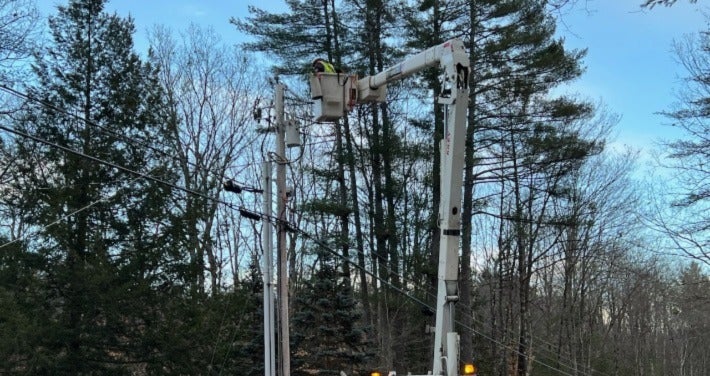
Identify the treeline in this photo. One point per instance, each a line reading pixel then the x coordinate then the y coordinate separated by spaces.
pixel 120 252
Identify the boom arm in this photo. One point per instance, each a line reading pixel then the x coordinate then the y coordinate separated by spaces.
pixel 448 55
pixel 453 60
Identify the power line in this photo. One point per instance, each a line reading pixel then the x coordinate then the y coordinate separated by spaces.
pixel 430 295
pixel 64 217
pixel 111 164
pixel 243 212
pixel 398 289
pixel 104 129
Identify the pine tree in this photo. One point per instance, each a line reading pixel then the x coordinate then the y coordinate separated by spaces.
pixel 526 141
pixel 432 23
pixel 310 29
pixel 331 338
pixel 103 233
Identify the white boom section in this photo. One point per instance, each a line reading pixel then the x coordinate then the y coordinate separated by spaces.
pixel 333 96
pixel 447 55
pixel 452 57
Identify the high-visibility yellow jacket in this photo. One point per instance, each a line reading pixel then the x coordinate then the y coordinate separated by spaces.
pixel 324 66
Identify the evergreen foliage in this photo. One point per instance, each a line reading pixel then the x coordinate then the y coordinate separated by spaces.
pixel 97 268
pixel 308 30
pixel 330 338
pixel 106 272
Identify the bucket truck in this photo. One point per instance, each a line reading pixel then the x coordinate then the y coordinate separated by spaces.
pixel 334 94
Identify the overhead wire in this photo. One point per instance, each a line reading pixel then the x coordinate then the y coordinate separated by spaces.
pixel 199 194
pixel 138 175
pixel 66 216
pixel 390 271
pixel 29 97
pixel 104 129
pixel 113 165
pixel 391 286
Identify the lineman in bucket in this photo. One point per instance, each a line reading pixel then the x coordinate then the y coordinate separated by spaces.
pixel 323 66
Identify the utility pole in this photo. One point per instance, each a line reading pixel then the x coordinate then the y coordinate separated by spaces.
pixel 268 266
pixel 285 359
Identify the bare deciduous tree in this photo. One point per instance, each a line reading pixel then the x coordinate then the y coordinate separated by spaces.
pixel 687 221
pixel 211 89
pixel 18 34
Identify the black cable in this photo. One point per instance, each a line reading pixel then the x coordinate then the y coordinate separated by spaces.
pixel 62 218
pixel 111 164
pixel 433 296
pixel 125 169
pixel 243 212
pixel 101 128
pixel 326 247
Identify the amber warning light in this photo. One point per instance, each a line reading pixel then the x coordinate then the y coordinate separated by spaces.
pixel 469 369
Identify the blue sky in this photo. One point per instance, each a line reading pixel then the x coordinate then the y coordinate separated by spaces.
pixel 629 67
